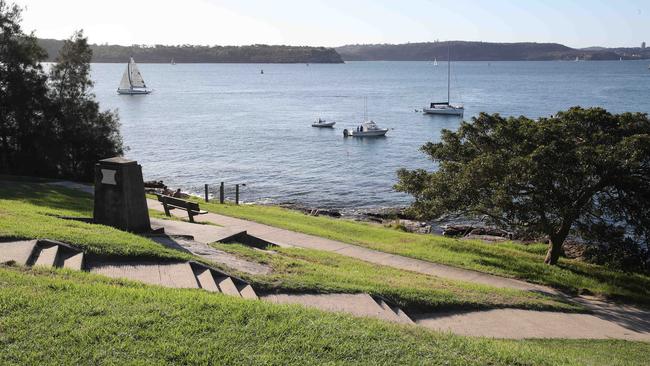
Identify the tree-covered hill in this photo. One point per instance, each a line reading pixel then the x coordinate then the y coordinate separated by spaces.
pixel 203 54
pixel 482 51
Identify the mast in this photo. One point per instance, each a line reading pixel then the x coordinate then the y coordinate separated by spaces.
pixel 448 71
pixel 365 109
pixel 128 72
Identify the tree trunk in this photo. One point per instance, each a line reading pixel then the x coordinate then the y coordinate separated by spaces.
pixel 554 250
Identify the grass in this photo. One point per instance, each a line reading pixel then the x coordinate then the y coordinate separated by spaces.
pixel 504 259
pixel 27 211
pixel 54 317
pixel 305 270
pixel 30 210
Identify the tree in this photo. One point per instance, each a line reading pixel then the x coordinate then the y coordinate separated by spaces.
pixel 581 170
pixel 22 97
pixel 84 133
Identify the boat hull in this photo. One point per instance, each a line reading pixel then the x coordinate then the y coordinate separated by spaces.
pixel 373 133
pixel 133 91
pixel 444 111
pixel 324 125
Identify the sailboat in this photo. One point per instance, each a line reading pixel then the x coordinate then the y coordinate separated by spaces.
pixel 445 107
pixel 435 62
pixel 132 81
pixel 172 61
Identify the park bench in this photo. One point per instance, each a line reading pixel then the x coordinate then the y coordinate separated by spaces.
pixel 169 203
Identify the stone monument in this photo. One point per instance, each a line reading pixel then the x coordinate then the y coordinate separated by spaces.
pixel 119 195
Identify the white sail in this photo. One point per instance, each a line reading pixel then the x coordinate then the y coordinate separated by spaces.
pixel 124 84
pixel 136 77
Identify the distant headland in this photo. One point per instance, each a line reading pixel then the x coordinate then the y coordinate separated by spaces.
pixel 485 51
pixel 424 51
pixel 203 54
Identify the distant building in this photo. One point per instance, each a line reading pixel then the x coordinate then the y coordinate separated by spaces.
pixel 643 45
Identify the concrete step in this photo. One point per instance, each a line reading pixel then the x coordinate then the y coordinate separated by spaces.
pixel 246 291
pixel 47 256
pixel 17 251
pixel 175 275
pixel 74 261
pixel 205 279
pixel 402 315
pixel 227 286
pixel 356 304
pixel 388 311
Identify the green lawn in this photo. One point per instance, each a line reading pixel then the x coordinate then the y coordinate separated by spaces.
pixel 57 317
pixel 29 210
pixel 504 259
pixel 304 270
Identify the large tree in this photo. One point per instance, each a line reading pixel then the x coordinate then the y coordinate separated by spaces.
pixel 22 96
pixel 583 169
pixel 85 134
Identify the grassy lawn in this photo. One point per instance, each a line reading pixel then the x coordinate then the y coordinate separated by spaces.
pixel 504 259
pixel 55 317
pixel 29 210
pixel 305 270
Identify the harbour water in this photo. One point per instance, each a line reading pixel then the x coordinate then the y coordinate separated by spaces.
pixel 207 123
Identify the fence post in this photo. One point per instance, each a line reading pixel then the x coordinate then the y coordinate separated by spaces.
pixel 206 192
pixel 221 193
pixel 236 194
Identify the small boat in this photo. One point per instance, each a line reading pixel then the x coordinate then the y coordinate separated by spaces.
pixel 322 123
pixel 132 82
pixel 445 107
pixel 262 71
pixel 366 129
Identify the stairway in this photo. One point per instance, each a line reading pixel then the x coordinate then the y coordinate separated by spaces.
pixel 356 304
pixel 49 253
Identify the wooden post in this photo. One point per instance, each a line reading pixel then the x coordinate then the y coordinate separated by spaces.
pixel 221 193
pixel 206 192
pixel 236 194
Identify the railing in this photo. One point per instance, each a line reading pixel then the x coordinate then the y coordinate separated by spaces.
pixel 223 189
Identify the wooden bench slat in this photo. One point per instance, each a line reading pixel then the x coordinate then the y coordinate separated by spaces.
pixel 170 203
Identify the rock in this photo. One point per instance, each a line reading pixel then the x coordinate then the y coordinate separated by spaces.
pixel 155 184
pixel 415 226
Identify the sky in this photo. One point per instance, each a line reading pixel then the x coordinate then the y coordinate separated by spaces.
pixel 575 23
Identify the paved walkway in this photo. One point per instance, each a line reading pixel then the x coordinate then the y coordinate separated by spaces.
pixel 289 238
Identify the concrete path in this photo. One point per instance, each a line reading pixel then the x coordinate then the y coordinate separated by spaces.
pixel 289 238
pixel 176 237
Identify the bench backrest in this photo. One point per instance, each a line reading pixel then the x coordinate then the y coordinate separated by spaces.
pixel 192 206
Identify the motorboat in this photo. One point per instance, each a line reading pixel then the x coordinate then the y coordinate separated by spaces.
pixel 132 81
pixel 366 129
pixel 322 123
pixel 445 108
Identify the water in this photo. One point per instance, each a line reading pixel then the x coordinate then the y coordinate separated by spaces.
pixel 207 123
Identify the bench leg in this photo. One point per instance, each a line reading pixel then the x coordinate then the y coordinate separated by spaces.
pixel 167 210
pixel 190 216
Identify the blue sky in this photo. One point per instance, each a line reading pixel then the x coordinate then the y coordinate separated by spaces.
pixel 576 23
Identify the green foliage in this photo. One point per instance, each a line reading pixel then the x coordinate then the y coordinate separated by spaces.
pixel 60 317
pixel 258 53
pixel 577 169
pixel 306 270
pixel 49 127
pixel 23 102
pixel 85 134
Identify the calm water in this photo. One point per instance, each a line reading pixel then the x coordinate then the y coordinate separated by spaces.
pixel 207 123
